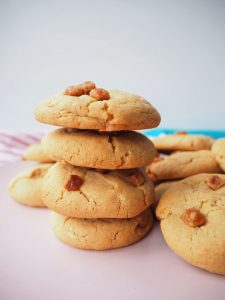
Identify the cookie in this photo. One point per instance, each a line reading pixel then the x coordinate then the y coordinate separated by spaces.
pixel 123 150
pixel 192 215
pixel 26 187
pixel 161 188
pixel 122 111
pixel 101 234
pixel 218 149
pixel 182 165
pixel 184 142
pixel 35 152
pixel 90 193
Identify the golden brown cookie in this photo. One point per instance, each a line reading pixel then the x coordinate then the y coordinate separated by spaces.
pixel 183 142
pixel 90 193
pixel 26 187
pixel 122 111
pixel 183 164
pixel 192 215
pixel 101 234
pixel 35 152
pixel 123 150
pixel 218 149
pixel 162 187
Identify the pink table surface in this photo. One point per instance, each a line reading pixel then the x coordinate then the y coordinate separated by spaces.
pixel 34 265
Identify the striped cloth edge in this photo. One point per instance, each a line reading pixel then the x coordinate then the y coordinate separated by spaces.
pixel 14 143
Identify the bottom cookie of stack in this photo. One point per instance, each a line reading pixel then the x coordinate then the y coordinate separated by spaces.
pixel 101 234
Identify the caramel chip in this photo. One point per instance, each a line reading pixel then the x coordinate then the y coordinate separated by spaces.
pixel 215 182
pixel 75 90
pixel 74 183
pixel 136 178
pixel 88 86
pixel 193 217
pixel 181 132
pixel 99 94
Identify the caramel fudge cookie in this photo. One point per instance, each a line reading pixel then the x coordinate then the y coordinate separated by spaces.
pixel 26 187
pixel 123 150
pixel 218 149
pixel 36 153
pixel 183 164
pixel 101 234
pixel 192 215
pixel 90 193
pixel 97 109
pixel 183 141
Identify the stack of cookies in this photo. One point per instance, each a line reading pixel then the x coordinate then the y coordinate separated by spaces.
pixel 98 194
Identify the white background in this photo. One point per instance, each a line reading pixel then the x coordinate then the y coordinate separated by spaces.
pixel 171 52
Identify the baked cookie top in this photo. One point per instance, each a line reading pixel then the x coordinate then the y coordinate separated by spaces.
pixel 183 164
pixel 26 187
pixel 90 193
pixel 192 214
pixel 184 142
pixel 35 152
pixel 116 111
pixel 218 149
pixel 116 150
pixel 161 188
pixel 101 234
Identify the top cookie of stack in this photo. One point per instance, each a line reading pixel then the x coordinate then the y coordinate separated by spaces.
pixel 87 107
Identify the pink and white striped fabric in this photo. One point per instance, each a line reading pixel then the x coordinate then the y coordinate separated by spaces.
pixel 14 143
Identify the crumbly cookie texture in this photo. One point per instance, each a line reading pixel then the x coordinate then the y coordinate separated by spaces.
pixel 101 234
pixel 218 149
pixel 35 152
pixel 90 193
pixel 183 142
pixel 26 187
pixel 183 164
pixel 192 216
pixel 123 150
pixel 122 111
pixel 161 188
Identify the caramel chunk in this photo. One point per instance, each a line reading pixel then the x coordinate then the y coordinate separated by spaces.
pixel 88 86
pixel 193 217
pixel 215 182
pixel 99 94
pixel 75 90
pixel 38 173
pixel 136 178
pixel 74 183
pixel 181 132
